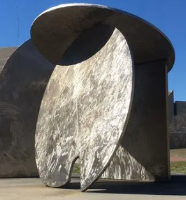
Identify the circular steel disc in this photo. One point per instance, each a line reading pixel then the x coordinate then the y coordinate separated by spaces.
pixel 85 108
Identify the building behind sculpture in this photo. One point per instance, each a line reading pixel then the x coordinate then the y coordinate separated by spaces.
pixel 170 106
pixel 180 107
pixel 177 122
pixel 5 53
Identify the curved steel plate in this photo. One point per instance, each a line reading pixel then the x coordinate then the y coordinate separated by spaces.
pixel 22 83
pixel 63 23
pixel 85 108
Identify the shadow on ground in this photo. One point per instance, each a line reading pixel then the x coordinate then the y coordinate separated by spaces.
pixel 177 186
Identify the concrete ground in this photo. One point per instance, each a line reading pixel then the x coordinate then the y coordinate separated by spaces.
pixel 33 189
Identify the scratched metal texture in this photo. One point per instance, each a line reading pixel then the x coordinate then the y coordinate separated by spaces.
pixel 55 29
pixel 85 108
pixel 63 23
pixel 143 154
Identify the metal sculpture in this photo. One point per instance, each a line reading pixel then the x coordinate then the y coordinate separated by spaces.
pixel 23 79
pixel 103 56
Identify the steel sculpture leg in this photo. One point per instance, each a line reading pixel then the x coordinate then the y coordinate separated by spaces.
pixel 144 151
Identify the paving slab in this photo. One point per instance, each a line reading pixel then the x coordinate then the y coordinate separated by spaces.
pixel 32 188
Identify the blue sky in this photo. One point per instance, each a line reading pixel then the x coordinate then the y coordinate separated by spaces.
pixel 16 17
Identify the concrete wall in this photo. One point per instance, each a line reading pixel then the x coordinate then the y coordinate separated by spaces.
pixel 143 154
pixel 5 53
pixel 177 122
pixel 180 108
pixel 177 140
pixel 170 106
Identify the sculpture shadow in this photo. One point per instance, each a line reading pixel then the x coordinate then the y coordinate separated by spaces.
pixel 88 43
pixel 175 187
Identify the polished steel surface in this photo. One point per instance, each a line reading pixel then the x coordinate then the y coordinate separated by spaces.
pixel 97 51
pixel 85 109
